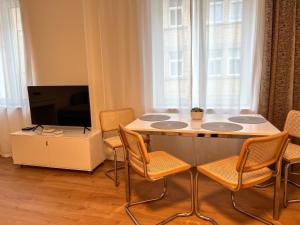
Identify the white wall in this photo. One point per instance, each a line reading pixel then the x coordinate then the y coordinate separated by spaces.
pixel 56 31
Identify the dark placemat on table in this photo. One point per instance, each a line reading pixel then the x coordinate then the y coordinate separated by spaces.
pixel 247 119
pixel 169 125
pixel 154 117
pixel 221 126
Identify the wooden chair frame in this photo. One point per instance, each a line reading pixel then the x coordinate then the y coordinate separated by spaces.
pixel 241 168
pixel 113 129
pixel 288 165
pixel 143 153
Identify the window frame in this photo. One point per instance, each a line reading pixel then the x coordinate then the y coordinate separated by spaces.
pixel 176 61
pixel 175 9
pixel 235 57
pixel 234 20
pixel 214 3
pixel 214 59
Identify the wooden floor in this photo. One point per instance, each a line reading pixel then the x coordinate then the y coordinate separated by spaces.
pixel 39 196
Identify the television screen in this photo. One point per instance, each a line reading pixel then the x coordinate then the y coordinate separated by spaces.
pixel 60 105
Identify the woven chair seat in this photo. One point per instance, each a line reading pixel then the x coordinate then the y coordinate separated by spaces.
pixel 113 142
pixel 224 172
pixel 292 153
pixel 161 165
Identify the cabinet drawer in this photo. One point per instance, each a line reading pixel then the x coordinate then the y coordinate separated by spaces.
pixel 29 150
pixel 69 153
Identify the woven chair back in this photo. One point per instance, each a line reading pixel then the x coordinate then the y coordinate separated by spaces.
pixel 111 119
pixel 261 152
pixel 135 149
pixel 292 123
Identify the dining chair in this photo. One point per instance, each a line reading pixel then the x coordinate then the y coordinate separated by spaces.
pixel 249 168
pixel 292 155
pixel 109 122
pixel 153 166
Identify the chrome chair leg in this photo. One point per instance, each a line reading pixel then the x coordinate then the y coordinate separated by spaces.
pixel 294 183
pixel 115 170
pixel 183 214
pixel 247 213
pixel 265 185
pixel 198 214
pixel 286 181
pixel 130 204
pixel 161 196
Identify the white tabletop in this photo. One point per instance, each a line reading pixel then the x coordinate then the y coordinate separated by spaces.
pixel 194 126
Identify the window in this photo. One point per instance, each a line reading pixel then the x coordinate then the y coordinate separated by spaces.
pixel 175 64
pixel 234 61
pixel 235 10
pixel 175 13
pixel 12 60
pixel 202 63
pixel 215 61
pixel 216 11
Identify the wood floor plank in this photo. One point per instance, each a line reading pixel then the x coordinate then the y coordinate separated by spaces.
pixel 41 196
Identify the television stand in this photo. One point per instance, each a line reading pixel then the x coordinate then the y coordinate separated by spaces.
pixel 70 150
pixel 86 128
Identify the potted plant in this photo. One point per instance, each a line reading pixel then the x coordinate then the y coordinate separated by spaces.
pixel 197 113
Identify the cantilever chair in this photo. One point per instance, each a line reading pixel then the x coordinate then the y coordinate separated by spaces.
pixel 249 168
pixel 109 122
pixel 152 166
pixel 292 154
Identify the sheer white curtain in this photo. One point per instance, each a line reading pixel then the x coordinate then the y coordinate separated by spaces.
pixel 13 103
pixel 204 53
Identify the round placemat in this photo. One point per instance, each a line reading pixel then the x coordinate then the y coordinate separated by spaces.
pixel 221 126
pixel 169 125
pixel 154 117
pixel 247 119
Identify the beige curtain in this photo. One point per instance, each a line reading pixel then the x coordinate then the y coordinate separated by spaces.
pixel 113 55
pixel 280 84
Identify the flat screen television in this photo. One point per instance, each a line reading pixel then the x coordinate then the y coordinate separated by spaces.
pixel 60 105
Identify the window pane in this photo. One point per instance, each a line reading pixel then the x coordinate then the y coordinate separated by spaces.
pixel 234 61
pixel 179 17
pixel 216 11
pixel 214 66
pixel 234 66
pixel 174 55
pixel 176 63
pixel 236 7
pixel 234 52
pixel 172 17
pixel 213 53
pixel 176 69
pixel 175 3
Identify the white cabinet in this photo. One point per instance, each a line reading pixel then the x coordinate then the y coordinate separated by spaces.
pixel 71 150
pixel 29 150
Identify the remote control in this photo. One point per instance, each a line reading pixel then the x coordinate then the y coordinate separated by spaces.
pixel 27 128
